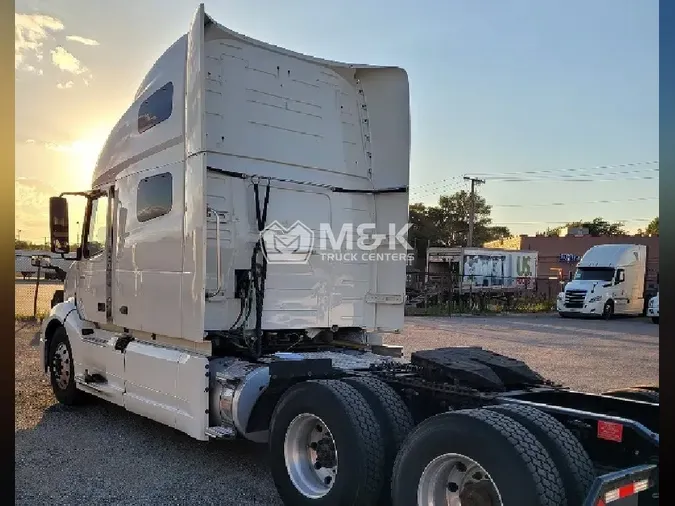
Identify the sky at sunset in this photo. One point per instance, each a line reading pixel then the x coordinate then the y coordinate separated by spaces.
pixel 555 103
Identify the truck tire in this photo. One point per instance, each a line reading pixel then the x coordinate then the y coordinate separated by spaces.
pixel 461 451
pixel 57 298
pixel 573 463
pixel 637 394
pixel 326 423
pixel 608 310
pixel 62 369
pixel 394 418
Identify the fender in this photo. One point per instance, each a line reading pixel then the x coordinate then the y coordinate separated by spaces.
pixel 63 314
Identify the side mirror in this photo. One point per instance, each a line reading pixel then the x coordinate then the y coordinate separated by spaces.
pixel 620 277
pixel 58 225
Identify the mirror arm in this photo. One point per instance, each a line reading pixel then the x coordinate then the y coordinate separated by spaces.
pixel 88 194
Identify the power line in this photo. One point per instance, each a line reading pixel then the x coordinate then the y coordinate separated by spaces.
pixel 446 189
pixel 437 184
pixel 577 178
pixel 518 206
pixel 557 171
pixel 413 188
pixel 628 220
pixel 581 175
pixel 457 187
pixel 425 190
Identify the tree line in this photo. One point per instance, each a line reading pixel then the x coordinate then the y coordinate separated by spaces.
pixel 31 246
pixel 599 227
pixel 447 224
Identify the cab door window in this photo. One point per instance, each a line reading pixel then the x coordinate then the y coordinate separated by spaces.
pixel 98 226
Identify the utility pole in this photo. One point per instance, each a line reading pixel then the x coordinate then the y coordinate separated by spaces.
pixel 472 205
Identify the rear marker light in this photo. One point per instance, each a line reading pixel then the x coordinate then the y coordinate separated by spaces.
pixel 624 491
pixel 610 431
pixel 641 485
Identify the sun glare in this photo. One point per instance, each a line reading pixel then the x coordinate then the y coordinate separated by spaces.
pixel 86 151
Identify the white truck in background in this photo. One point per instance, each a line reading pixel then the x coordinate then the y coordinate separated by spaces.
pixel 609 280
pixel 174 309
pixel 653 309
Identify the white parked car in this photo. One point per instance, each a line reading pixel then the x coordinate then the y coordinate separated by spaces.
pixel 653 309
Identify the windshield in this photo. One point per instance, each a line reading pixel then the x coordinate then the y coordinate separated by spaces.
pixel 594 274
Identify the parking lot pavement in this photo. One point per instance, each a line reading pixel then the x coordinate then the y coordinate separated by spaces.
pixel 100 454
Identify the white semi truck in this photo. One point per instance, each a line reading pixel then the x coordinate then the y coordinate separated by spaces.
pixel 610 280
pixel 177 308
pixel 653 309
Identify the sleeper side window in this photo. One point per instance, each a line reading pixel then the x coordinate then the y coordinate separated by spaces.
pixel 154 197
pixel 156 108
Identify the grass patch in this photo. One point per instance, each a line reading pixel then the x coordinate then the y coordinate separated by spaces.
pixel 488 308
pixel 41 315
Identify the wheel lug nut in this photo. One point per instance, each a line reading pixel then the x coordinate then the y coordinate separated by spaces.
pixel 453 487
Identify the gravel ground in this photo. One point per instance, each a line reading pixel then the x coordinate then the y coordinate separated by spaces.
pixel 100 454
pixel 589 355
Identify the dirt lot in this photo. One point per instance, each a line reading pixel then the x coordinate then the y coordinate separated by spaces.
pixel 100 454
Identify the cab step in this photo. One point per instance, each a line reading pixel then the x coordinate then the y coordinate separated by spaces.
pixel 95 382
pixel 220 432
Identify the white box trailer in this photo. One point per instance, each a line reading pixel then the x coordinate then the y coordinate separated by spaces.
pixel 485 268
pixel 199 296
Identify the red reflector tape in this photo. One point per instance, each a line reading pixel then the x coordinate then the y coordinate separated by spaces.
pixel 624 491
pixel 610 431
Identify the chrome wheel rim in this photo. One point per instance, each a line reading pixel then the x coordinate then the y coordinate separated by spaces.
pixel 61 366
pixel 310 455
pixel 456 480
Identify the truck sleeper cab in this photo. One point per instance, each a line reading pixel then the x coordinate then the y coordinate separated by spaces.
pixel 174 310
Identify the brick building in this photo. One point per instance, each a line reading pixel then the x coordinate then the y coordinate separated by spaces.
pixel 559 255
